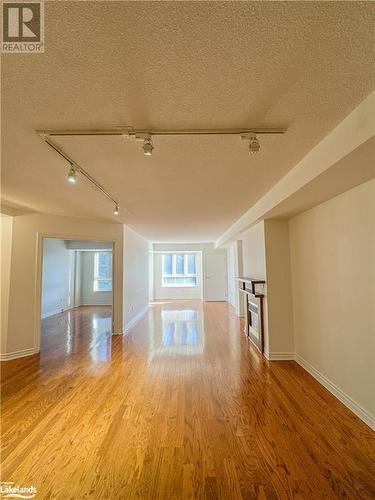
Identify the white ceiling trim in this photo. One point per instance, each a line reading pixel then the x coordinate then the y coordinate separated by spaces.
pixel 354 130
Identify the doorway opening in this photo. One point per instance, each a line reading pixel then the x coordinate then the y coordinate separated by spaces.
pixel 76 293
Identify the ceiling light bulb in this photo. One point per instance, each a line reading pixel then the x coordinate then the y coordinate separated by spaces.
pixel 116 209
pixel 72 176
pixel 147 146
pixel 254 145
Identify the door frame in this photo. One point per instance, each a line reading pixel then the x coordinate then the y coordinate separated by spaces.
pixel 39 277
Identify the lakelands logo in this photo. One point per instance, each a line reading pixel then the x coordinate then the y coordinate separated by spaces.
pixel 23 27
pixel 7 490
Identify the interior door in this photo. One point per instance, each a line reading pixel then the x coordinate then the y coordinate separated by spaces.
pixel 215 273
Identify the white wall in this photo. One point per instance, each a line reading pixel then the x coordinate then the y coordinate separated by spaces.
pixel 5 257
pixel 332 263
pixel 25 274
pixel 89 297
pixel 151 273
pixel 136 276
pixel 56 276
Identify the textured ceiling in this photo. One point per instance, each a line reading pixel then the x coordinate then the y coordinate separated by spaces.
pixel 304 65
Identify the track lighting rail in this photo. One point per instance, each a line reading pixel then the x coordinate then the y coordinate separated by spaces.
pixel 79 169
pixel 140 132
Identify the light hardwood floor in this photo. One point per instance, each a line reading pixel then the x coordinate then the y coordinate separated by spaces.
pixel 181 407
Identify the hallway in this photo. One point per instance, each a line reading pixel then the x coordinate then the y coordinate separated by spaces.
pixel 180 407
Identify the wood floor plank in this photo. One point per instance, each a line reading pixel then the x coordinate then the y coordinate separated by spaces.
pixel 152 415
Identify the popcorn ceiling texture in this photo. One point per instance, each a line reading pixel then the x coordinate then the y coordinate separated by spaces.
pixel 304 65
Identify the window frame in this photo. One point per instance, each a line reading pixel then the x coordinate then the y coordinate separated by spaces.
pixel 96 277
pixel 174 273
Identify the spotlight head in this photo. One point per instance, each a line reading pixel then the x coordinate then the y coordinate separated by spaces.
pixel 147 146
pixel 72 175
pixel 254 145
pixel 116 209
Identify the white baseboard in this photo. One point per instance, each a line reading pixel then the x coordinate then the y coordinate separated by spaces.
pixel 61 310
pixel 51 313
pixel 57 311
pixel 279 356
pixel 129 325
pixel 337 392
pixel 93 305
pixel 18 354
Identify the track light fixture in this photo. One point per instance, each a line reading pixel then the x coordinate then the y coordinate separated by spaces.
pixel 72 175
pixel 254 145
pixel 74 169
pixel 147 146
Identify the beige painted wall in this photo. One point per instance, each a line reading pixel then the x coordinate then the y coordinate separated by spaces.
pixel 279 293
pixel 332 262
pixel 5 257
pixel 254 252
pixel 254 265
pixel 136 275
pixel 24 301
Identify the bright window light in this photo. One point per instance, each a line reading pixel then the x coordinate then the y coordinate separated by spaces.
pixel 179 270
pixel 103 272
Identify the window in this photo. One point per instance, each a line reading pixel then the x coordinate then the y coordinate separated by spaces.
pixel 103 272
pixel 179 270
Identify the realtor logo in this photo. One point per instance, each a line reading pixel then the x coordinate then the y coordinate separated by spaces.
pixel 7 490
pixel 23 27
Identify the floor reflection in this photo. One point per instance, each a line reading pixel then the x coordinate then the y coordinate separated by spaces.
pixel 100 348
pixel 69 333
pixel 176 332
pixel 84 329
